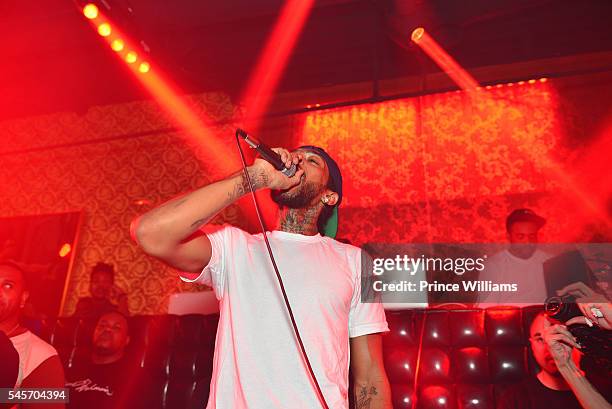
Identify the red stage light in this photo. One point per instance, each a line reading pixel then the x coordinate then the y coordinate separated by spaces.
pixel 461 77
pixel 144 67
pixel 273 59
pixel 117 44
pixel 131 57
pixel 65 249
pixel 532 81
pixel 194 124
pixel 417 34
pixel 90 11
pixel 104 29
pixel 543 79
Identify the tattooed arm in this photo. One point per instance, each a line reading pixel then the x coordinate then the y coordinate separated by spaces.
pixel 370 381
pixel 171 232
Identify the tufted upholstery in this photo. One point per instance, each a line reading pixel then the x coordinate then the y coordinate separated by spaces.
pixel 176 351
pixel 468 356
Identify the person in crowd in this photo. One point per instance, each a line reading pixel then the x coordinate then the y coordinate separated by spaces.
pixel 560 383
pixel 258 363
pixel 103 293
pixel 39 363
pixel 109 378
pixel 521 263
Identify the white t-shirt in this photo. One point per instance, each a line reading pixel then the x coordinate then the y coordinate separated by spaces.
pixel 32 351
pixel 527 274
pixel 257 362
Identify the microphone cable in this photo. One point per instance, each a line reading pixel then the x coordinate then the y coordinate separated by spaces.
pixel 278 276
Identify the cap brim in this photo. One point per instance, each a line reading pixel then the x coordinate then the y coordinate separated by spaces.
pixel 331 227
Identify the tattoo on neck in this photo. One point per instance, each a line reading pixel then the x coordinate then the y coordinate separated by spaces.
pixel 365 397
pixel 302 221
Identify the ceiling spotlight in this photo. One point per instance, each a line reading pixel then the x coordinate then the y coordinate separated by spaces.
pixel 65 249
pixel 104 29
pixel 144 67
pixel 131 57
pixel 417 34
pixel 90 11
pixel 117 45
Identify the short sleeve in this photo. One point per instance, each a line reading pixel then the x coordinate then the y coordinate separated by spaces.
pixel 214 274
pixel 365 317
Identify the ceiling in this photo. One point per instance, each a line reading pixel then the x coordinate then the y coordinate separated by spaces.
pixel 53 61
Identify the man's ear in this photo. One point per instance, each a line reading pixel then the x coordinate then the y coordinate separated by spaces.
pixel 332 197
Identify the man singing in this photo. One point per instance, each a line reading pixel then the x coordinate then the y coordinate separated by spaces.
pixel 257 361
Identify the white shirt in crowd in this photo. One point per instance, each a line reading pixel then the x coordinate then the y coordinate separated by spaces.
pixel 527 274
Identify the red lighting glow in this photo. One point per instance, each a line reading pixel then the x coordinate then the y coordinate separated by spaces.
pixel 90 11
pixel 168 96
pixel 273 59
pixel 461 77
pixel 104 29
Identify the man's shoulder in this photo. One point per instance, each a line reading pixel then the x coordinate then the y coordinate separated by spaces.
pixel 43 345
pixel 541 255
pixel 341 245
pixel 37 345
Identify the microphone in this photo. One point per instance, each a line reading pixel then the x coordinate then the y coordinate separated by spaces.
pixel 267 154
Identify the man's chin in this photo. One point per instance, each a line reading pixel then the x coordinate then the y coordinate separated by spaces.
pixel 103 351
pixel 551 367
pixel 287 198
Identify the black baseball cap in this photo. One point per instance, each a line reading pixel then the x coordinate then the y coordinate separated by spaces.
pixel 524 215
pixel 331 227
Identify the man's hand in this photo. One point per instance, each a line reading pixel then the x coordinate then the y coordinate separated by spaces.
pixel 593 306
pixel 560 343
pixel 264 175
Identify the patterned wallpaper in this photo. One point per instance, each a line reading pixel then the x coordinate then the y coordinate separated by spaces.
pixel 450 167
pixel 105 174
pixel 444 167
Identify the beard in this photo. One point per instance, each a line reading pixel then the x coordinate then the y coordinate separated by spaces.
pixel 524 251
pixel 299 198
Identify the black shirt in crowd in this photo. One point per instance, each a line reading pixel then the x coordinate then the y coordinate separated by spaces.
pixel 121 384
pixel 531 394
